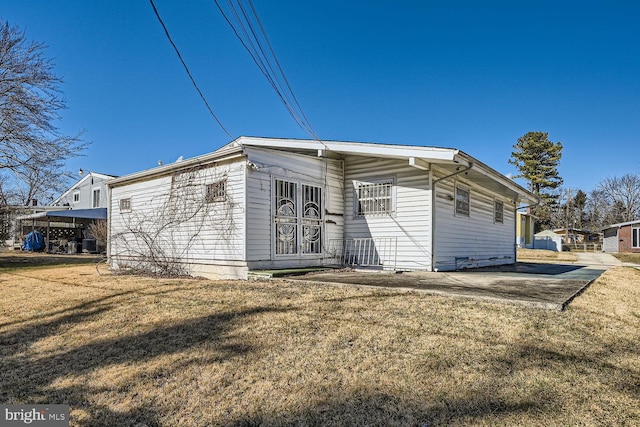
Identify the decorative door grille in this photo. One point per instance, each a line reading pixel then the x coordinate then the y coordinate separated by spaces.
pixel 311 220
pixel 286 218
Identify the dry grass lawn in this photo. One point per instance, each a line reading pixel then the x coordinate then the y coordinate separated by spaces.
pixel 131 351
pixel 525 255
pixel 633 258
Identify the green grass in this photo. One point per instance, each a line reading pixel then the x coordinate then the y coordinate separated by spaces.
pixel 126 350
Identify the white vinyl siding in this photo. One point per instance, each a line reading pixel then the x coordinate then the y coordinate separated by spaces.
pixel 407 231
pixel 80 195
pixel 207 234
pixel 307 172
pixel 610 240
pixel 475 240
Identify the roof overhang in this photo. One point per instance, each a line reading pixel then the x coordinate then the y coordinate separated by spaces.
pixel 223 154
pixel 449 160
pixel 622 224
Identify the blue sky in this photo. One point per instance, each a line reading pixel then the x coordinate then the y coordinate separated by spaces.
pixel 473 75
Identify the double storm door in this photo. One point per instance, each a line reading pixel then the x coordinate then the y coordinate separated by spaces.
pixel 298 218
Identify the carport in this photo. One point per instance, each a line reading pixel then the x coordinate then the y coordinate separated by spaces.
pixel 60 226
pixel 544 285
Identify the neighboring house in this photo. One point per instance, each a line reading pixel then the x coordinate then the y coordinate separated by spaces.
pixel 89 192
pixel 574 236
pixel 623 237
pixel 549 240
pixel 525 230
pixel 64 224
pixel 264 203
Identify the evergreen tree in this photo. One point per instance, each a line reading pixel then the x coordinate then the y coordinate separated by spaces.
pixel 537 161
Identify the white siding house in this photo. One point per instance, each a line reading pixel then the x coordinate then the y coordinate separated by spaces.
pixel 89 192
pixel 265 203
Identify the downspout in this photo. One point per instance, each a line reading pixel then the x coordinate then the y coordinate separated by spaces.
pixel 433 211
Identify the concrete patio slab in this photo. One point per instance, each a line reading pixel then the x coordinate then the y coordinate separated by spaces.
pixel 544 285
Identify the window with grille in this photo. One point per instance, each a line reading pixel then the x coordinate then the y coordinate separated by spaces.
pixel 76 197
pixel 375 198
pixel 125 205
pixel 498 212
pixel 462 201
pixel 217 192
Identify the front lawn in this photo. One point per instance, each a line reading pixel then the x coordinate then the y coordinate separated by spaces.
pixel 124 350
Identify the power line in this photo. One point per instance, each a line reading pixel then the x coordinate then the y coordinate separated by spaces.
pixel 256 42
pixel 166 31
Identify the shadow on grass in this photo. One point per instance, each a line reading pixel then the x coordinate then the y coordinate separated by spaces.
pixel 28 378
pixel 370 408
pixel 19 260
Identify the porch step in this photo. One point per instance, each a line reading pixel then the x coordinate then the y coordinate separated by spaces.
pixel 270 274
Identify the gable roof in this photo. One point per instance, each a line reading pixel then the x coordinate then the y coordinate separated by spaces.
pixel 450 160
pixel 80 182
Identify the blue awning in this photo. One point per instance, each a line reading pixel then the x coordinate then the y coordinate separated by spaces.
pixel 97 213
pixel 66 215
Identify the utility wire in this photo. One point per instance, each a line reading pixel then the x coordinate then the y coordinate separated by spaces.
pixel 252 40
pixel 166 31
pixel 295 100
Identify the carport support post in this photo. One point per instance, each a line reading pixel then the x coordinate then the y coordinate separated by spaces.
pixel 48 247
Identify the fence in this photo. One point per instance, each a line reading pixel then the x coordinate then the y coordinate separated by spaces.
pixel 585 247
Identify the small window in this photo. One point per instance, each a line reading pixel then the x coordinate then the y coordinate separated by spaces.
pixel 125 205
pixel 76 197
pixel 498 212
pixel 635 237
pixel 217 192
pixel 462 201
pixel 375 198
pixel 96 198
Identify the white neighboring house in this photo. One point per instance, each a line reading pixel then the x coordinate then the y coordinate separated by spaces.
pixel 266 203
pixel 89 192
pixel 69 215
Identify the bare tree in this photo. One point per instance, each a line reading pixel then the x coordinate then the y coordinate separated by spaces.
pixel 623 197
pixel 161 241
pixel 31 146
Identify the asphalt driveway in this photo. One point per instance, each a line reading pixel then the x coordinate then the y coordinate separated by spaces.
pixel 545 285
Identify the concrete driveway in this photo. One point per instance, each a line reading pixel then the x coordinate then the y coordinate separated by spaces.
pixel 545 285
